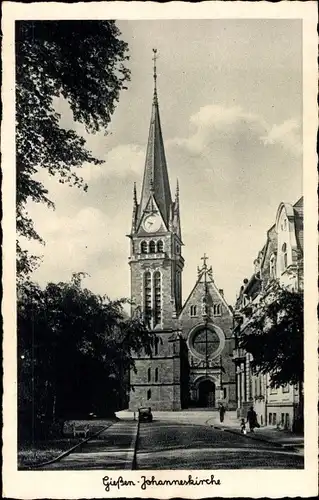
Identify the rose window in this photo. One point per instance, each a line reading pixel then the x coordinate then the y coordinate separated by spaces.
pixel 205 342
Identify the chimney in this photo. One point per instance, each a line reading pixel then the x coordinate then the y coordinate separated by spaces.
pixel 221 291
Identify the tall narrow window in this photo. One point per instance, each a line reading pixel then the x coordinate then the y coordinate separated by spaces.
pixel 152 246
pixel 178 288
pixel 147 296
pixel 156 346
pixel 149 394
pixel 156 374
pixel 160 246
pixel 217 309
pixel 144 247
pixel 149 375
pixel 272 267
pixel 284 255
pixel 157 298
pixel 193 311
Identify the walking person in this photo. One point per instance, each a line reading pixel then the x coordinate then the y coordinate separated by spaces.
pixel 243 426
pixel 222 411
pixel 252 419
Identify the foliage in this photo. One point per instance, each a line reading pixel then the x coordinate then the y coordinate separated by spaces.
pixel 82 61
pixel 274 337
pixel 74 351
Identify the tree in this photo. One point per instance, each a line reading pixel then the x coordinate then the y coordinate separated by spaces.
pixel 274 337
pixel 82 61
pixel 74 349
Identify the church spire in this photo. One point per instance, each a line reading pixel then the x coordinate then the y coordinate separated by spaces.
pixel 155 180
pixel 177 194
pixel 155 57
pixel 135 208
pixel 134 196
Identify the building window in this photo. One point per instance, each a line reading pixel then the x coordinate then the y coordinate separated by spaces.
pixel 261 420
pixel 160 246
pixel 273 390
pixel 157 298
pixel 152 247
pixel 284 255
pixel 143 247
pixel 156 374
pixel 270 418
pixel 255 388
pixel 274 419
pixel 147 296
pixel 156 346
pixel 178 288
pixel 282 423
pixel 224 393
pixel 285 388
pixel 217 309
pixel 149 375
pixel 193 310
pixel 149 394
pixel 272 267
pixel 287 421
pixel 206 342
pixel 178 249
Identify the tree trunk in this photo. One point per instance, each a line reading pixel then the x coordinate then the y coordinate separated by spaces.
pixel 299 421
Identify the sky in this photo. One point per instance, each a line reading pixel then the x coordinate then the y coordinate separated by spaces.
pixel 230 98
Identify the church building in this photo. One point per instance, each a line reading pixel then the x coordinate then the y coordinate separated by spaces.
pixel 191 364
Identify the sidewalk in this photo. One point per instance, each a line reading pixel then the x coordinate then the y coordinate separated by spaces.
pixel 113 448
pixel 277 437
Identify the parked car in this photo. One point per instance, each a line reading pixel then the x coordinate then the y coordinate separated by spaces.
pixel 145 414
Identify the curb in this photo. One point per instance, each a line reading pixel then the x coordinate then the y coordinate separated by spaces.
pixel 65 453
pixel 259 438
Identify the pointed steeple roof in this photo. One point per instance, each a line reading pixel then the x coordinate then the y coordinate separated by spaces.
pixel 155 180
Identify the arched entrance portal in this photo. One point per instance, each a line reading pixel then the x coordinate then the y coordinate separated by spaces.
pixel 206 394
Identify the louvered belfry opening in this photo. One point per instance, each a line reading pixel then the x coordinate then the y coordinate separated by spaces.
pixel 157 298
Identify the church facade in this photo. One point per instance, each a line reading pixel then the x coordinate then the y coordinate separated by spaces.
pixel 191 364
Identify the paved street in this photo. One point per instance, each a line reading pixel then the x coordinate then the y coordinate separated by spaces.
pixel 175 444
pixel 164 445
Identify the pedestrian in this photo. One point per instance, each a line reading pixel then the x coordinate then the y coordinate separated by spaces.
pixel 222 411
pixel 252 419
pixel 243 426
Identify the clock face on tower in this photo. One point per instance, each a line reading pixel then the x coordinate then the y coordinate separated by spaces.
pixel 152 223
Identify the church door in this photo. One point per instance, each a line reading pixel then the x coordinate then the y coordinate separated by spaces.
pixel 206 394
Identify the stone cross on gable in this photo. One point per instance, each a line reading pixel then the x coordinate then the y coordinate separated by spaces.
pixel 204 258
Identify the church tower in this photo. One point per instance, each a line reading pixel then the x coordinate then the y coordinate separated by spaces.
pixel 156 266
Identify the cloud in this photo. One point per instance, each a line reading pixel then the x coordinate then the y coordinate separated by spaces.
pixel 287 134
pixel 90 241
pixel 215 126
pixel 122 160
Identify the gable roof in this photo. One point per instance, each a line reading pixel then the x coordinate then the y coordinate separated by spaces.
pixel 205 276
